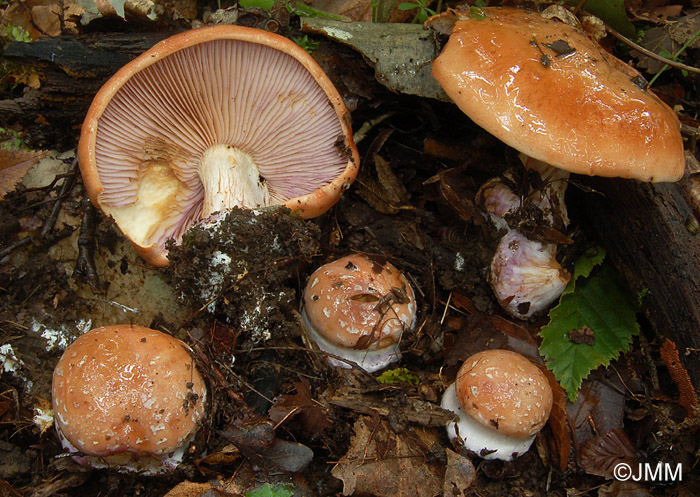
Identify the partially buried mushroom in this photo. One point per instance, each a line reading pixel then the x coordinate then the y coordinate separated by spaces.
pixel 502 401
pixel 357 308
pixel 129 398
pixel 546 89
pixel 209 119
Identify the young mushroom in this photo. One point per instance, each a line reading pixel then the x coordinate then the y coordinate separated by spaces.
pixel 357 308
pixel 546 89
pixel 209 119
pixel 128 397
pixel 502 399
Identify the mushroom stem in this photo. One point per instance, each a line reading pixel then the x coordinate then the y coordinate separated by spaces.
pixel 231 179
pixel 549 198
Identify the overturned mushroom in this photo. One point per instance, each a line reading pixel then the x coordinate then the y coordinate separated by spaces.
pixel 210 119
pixel 129 398
pixel 546 89
pixel 357 308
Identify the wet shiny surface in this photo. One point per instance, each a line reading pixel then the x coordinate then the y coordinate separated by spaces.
pixel 580 111
pixel 127 389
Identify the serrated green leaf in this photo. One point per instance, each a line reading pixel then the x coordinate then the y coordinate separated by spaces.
pixel 600 302
pixel 584 265
pixel 612 12
pixel 268 490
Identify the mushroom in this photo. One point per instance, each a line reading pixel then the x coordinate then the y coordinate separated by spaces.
pixel 357 308
pixel 546 89
pixel 128 397
pixel 209 119
pixel 502 400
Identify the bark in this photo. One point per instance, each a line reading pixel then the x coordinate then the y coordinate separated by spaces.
pixel 72 70
pixel 649 231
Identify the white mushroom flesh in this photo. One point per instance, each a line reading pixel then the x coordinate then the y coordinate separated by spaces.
pixel 525 275
pixel 157 138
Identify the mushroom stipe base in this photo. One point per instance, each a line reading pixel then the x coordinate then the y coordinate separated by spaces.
pixel 472 436
pixel 370 360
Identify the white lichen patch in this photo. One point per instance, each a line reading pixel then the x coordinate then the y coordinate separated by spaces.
pixel 459 261
pixel 12 364
pixel 60 337
pixel 43 417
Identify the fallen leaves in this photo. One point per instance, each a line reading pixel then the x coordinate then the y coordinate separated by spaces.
pixel 383 463
pixel 14 165
pixel 460 474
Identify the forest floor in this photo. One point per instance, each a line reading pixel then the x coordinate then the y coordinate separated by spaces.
pixel 65 269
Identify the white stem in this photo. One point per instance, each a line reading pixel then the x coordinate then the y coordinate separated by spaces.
pixel 231 179
pixel 484 441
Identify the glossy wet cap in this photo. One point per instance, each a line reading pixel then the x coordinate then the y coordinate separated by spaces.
pixel 504 391
pixel 359 303
pixel 232 87
pixel 546 89
pixel 129 397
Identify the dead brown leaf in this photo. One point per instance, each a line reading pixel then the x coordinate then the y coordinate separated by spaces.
pixel 459 475
pixel 385 191
pixel 14 164
pixel 300 406
pixel 623 489
pixel 358 10
pixel 382 463
pixel 559 422
pixel 657 15
pixel 47 18
pixel 600 454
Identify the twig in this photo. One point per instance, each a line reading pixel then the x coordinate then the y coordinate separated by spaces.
pixel 650 54
pixel 65 188
pixel 13 246
pixel 85 264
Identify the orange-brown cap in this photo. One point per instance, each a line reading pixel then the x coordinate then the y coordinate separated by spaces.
pixel 505 392
pixel 358 304
pixel 546 89
pixel 253 95
pixel 128 397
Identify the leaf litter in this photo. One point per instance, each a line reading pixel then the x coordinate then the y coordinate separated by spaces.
pixel 381 439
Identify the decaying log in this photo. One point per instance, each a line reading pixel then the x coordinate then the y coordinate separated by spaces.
pixel 72 69
pixel 649 233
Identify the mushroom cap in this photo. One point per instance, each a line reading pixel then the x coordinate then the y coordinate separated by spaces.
pixel 150 124
pixel 127 389
pixel 504 391
pixel 582 111
pixel 477 438
pixel 359 303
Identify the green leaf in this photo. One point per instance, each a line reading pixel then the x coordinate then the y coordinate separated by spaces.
pixel 303 10
pixel 268 490
pixel 584 266
pixel 15 33
pixel 596 302
pixel 307 43
pixel 398 375
pixel 477 13
pixel 262 4
pixel 612 12
pixel 407 6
